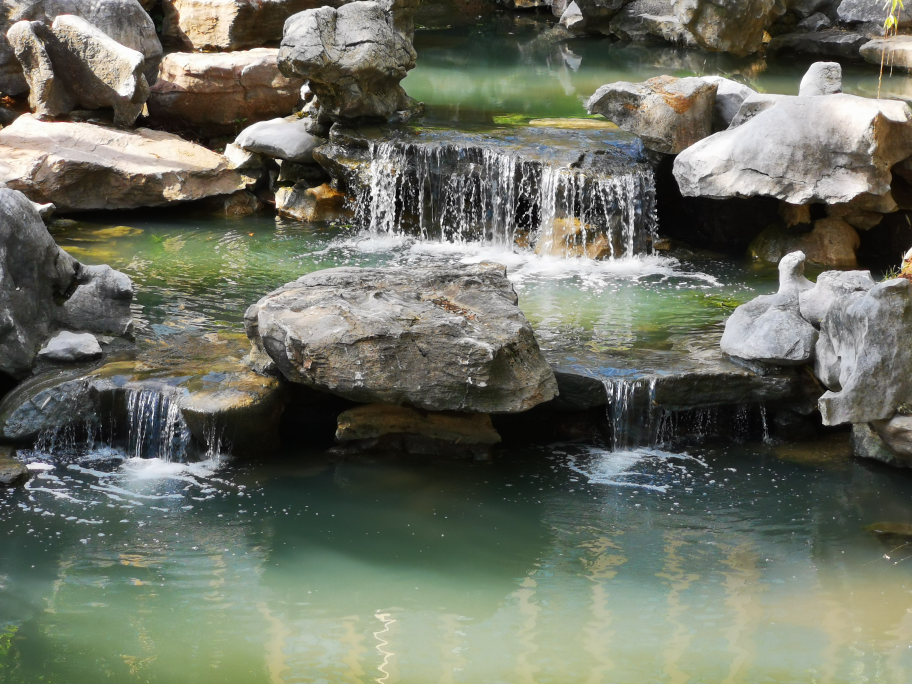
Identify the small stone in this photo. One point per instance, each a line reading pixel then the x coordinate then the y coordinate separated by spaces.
pixel 12 472
pixel 822 78
pixel 69 347
pixel 286 139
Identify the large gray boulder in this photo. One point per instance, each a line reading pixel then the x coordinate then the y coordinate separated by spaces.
pixel 37 281
pixel 75 65
pixel 220 92
pixel 833 149
pixel 125 21
pixel 864 356
pixel 829 43
pixel 770 329
pixel 734 26
pixel 353 58
pixel 669 114
pixel 79 166
pixel 444 338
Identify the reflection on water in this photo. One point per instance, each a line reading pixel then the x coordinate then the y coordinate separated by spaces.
pixel 527 569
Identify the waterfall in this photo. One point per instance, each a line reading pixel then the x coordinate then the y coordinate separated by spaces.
pixel 630 411
pixel 594 205
pixel 155 426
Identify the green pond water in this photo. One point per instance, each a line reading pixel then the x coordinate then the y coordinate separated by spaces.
pixel 564 563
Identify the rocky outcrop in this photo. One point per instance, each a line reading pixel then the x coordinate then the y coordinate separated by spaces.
pixel 832 243
pixel 353 58
pixel 125 21
pixel 434 338
pixel 833 149
pixel 75 65
pixel 734 26
pixel 863 12
pixel 643 21
pixel 221 92
pixel 669 114
pixel 37 282
pixel 229 24
pixel 770 329
pixel 895 51
pixel 816 303
pixel 79 166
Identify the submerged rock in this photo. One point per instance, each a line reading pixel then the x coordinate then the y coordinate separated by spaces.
pixel 12 472
pixel 80 166
pixel 669 114
pixel 435 338
pixel 37 282
pixel 833 149
pixel 69 347
pixel 218 92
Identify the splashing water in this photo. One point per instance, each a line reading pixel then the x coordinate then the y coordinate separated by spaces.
pixel 156 426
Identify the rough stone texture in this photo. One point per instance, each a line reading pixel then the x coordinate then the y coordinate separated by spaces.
pixel 101 302
pixel 221 92
pixel 353 58
pixel 287 139
pixel 36 277
pixel 864 12
pixel 897 435
pixel 770 329
pixel 730 95
pixel 815 22
pixel 12 472
pixel 79 166
pixel 834 149
pixel 866 443
pixel 832 242
pixel 898 51
pixel 822 78
pixel 830 286
pixel 734 26
pixel 644 21
pixel 572 16
pixel 753 104
pixel 377 420
pixel 831 43
pixel 229 24
pixel 320 203
pixel 669 114
pixel 863 355
pixel 48 95
pixel 123 20
pixel 67 347
pixel 436 338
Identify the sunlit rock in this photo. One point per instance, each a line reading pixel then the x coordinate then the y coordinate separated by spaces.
pixel 12 472
pixel 734 26
pixel 830 286
pixel 895 51
pixel 822 78
pixel 67 347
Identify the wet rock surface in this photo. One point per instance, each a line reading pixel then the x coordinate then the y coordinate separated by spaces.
pixel 12 472
pixel 434 338
pixel 67 347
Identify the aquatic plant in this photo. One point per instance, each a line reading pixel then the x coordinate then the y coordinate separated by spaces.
pixel 891 27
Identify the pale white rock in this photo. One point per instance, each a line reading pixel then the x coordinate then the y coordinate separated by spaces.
pixel 831 285
pixel 895 51
pixel 572 16
pixel 753 104
pixel 896 433
pixel 730 95
pixel 822 78
pixel 286 139
pixel 67 347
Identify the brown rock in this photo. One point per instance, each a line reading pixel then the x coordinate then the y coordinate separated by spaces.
pixel 322 203
pixel 377 420
pixel 12 472
pixel 832 243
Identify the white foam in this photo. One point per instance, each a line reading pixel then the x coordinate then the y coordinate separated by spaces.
pixel 615 468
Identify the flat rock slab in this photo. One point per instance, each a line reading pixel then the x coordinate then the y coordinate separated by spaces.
pixel 435 338
pixel 67 347
pixel 80 166
pixel 895 51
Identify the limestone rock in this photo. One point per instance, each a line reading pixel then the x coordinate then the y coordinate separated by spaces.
pixel 836 149
pixel 377 420
pixel 643 21
pixel 822 78
pixel 229 24
pixel 832 242
pixel 435 338
pixel 37 279
pixel 734 26
pixel 125 21
pixel 898 51
pixel 830 286
pixel 571 16
pixel 669 114
pixel 832 43
pixel 80 166
pixel 12 472
pixel 753 104
pixel 320 203
pixel 770 329
pixel 897 435
pixel 221 92
pixel 863 354
pixel 863 12
pixel 69 347
pixel 353 58
pixel 730 95
pixel 286 139
pixel 866 443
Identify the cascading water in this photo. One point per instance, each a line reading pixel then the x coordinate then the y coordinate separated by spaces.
pixel 630 411
pixel 156 428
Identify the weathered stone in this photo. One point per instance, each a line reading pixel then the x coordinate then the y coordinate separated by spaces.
pixel 287 139
pixel 80 166
pixel 220 92
pixel 734 26
pixel 730 95
pixel 832 242
pixel 436 338
pixel 69 347
pixel 376 420
pixel 12 472
pixel 101 303
pixel 831 285
pixel 643 21
pixel 832 43
pixel 37 281
pixel 863 355
pixel 570 238
pixel 822 78
pixel 241 203
pixel 305 203
pixel 572 16
pixel 895 51
pixel 770 329
pixel 795 214
pixel 863 12
pixel 815 22
pixel 836 149
pixel 353 58
pixel 866 443
pixel 753 104
pixel 669 114
pixel 897 435
pixel 125 21
pixel 242 160
pixel 857 218
pixel 48 94
pixel 229 24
